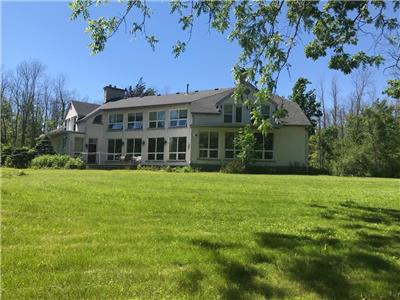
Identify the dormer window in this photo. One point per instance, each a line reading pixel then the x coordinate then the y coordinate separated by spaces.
pixel 266 111
pixel 98 119
pixel 228 113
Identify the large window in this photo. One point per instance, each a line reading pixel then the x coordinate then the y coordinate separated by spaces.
pixel 228 113
pixel 238 114
pixel 116 121
pixel 177 148
pixel 230 151
pixel 114 149
pixel 266 111
pixel 208 145
pixel 78 146
pixel 264 146
pixel 135 121
pixel 134 147
pixel 178 118
pixel 157 119
pixel 155 149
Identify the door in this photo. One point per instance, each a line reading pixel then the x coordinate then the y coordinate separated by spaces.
pixel 92 149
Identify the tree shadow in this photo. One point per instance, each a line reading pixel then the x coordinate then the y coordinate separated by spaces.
pixel 192 281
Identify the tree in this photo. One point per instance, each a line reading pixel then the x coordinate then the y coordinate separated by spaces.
pixel 267 32
pixel 245 142
pixel 140 90
pixel 307 101
pixel 43 145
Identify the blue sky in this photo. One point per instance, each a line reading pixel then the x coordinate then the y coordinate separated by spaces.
pixel 43 31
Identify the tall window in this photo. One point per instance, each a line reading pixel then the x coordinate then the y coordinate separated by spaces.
pixel 134 147
pixel 155 149
pixel 114 149
pixel 116 121
pixel 264 148
pixel 228 113
pixel 238 114
pixel 78 146
pixel 266 111
pixel 135 121
pixel 208 145
pixel 178 118
pixel 177 148
pixel 157 119
pixel 230 151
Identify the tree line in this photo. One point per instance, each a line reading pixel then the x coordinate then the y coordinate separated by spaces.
pixel 32 103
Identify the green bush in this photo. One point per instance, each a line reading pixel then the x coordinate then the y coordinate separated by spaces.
pixel 5 153
pixel 57 162
pixel 234 166
pixel 20 158
pixel 168 169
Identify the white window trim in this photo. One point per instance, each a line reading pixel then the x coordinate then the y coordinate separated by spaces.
pixel 263 152
pixel 155 148
pixel 111 124
pixel 114 154
pixel 157 120
pixel 134 123
pixel 178 119
pixel 133 148
pixel 209 144
pixel 234 150
pixel 231 114
pixel 177 152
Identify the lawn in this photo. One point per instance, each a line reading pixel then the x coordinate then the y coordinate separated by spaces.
pixel 137 234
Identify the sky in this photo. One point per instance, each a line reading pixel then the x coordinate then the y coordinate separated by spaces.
pixel 43 31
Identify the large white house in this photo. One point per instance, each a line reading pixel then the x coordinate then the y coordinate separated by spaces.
pixel 195 128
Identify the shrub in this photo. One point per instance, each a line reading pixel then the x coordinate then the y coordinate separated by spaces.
pixel 234 166
pixel 57 162
pixel 43 145
pixel 5 153
pixel 20 158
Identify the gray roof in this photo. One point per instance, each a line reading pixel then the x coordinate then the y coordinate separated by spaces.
pixel 202 102
pixel 84 108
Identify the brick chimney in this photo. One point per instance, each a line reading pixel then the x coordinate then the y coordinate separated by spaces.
pixel 112 93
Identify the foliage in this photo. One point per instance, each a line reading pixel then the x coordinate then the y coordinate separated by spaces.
pixel 140 90
pixel 266 31
pixel 234 166
pixel 169 169
pixel 201 235
pixel 20 157
pixel 370 145
pixel 393 88
pixel 307 101
pixel 5 151
pixel 57 162
pixel 245 143
pixel 43 145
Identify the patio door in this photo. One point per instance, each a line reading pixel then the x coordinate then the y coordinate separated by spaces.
pixel 92 151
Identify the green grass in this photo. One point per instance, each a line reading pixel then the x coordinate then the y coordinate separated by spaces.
pixel 135 234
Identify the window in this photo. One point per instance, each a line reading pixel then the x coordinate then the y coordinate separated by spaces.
pixel 230 151
pixel 135 121
pixel 178 118
pixel 265 111
pixel 264 146
pixel 114 149
pixel 228 113
pixel 177 148
pixel 208 145
pixel 98 119
pixel 116 122
pixel 78 146
pixel 157 119
pixel 238 114
pixel 156 149
pixel 134 147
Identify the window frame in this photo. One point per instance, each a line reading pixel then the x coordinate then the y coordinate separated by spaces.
pixel 233 150
pixel 135 141
pixel 114 156
pixel 158 120
pixel 156 153
pixel 78 153
pixel 178 151
pixel 228 114
pixel 268 108
pixel 240 114
pixel 265 152
pixel 96 118
pixel 208 149
pixel 135 122
pixel 178 119
pixel 115 122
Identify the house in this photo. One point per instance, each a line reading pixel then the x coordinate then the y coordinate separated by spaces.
pixel 194 128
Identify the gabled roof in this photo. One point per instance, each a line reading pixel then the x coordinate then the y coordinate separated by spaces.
pixel 202 102
pixel 84 108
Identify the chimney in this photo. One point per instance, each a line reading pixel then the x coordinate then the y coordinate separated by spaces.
pixel 112 93
pixel 187 88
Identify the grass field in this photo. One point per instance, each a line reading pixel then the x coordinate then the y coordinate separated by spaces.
pixel 134 234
